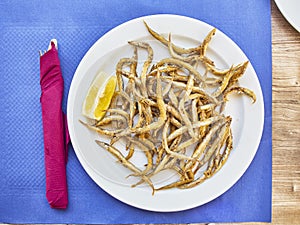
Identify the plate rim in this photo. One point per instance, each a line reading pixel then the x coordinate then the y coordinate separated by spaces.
pixel 92 173
pixel 286 13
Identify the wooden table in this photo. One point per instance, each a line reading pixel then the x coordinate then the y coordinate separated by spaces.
pixel 286 122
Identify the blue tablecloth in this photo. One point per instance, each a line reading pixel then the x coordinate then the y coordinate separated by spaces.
pixel 27 26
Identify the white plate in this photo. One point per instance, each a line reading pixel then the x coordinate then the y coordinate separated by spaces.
pixel 291 11
pixel 247 122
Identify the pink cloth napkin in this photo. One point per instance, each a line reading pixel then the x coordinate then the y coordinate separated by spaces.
pixel 56 136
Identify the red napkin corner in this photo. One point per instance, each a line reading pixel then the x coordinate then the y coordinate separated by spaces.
pixel 55 130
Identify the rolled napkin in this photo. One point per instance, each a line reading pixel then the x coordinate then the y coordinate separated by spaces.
pixel 56 136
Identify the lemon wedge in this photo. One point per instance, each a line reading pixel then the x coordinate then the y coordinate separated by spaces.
pixel 99 96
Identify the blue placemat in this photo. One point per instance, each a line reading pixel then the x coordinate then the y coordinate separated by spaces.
pixel 27 26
